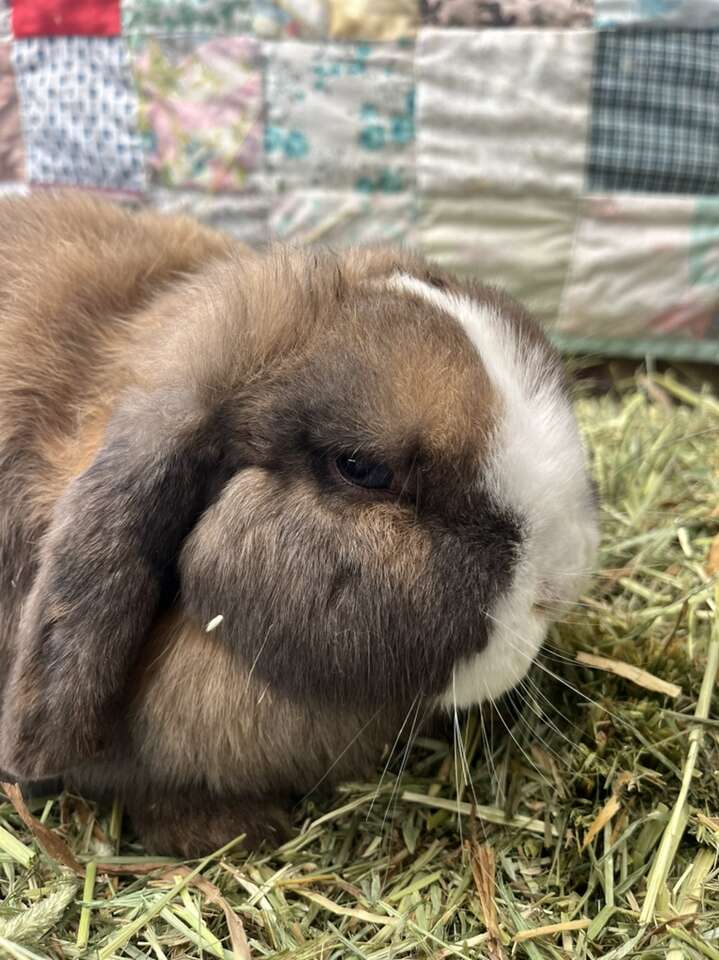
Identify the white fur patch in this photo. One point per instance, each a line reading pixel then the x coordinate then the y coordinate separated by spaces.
pixel 538 470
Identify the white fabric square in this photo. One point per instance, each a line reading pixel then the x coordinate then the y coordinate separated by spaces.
pixel 502 110
pixel 642 266
pixel 522 244
pixel 243 216
pixel 343 217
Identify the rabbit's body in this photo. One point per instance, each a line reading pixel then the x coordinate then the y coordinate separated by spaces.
pixel 319 450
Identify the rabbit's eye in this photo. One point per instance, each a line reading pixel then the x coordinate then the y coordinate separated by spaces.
pixel 364 473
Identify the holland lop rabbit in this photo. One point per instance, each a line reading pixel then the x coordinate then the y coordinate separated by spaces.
pixel 364 474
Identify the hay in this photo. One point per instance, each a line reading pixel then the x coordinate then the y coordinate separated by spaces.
pixel 591 829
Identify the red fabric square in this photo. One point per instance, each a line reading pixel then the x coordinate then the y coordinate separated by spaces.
pixel 65 18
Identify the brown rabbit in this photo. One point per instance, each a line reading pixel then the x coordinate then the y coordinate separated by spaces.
pixel 363 475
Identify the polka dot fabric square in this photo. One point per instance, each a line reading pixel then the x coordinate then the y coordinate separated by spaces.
pixel 78 112
pixel 201 110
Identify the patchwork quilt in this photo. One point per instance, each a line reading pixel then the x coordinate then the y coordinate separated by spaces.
pixel 566 149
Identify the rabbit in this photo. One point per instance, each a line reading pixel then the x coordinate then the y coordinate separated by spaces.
pixel 258 507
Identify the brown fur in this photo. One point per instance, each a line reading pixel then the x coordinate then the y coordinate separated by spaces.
pixel 169 402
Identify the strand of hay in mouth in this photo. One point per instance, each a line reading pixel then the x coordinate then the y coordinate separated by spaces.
pixel 598 816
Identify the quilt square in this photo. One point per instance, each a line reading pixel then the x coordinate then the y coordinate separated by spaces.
pixel 343 217
pixel 244 216
pixel 655 112
pixel 179 17
pixel 678 13
pixel 373 19
pixel 11 151
pixel 508 13
pixel 5 32
pixel 521 243
pixel 41 18
pixel 340 116
pixel 704 246
pixel 78 112
pixel 502 112
pixel 290 19
pixel 201 110
pixel 642 266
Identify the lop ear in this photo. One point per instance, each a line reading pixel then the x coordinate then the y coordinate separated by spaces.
pixel 105 562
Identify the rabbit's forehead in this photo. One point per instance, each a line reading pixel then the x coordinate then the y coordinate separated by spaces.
pixel 411 382
pixel 537 456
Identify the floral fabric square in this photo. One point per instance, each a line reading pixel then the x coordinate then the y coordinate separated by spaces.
pixel 373 19
pixel 65 18
pixel 179 17
pixel 78 112
pixel 503 112
pixel 340 116
pixel 290 19
pixel 508 13
pixel 11 151
pixel 200 111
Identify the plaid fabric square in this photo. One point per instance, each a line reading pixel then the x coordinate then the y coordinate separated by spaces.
pixel 78 112
pixel 655 112
pixel 340 116
pixel 201 110
pixel 40 18
pixel 178 17
pixel 11 152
